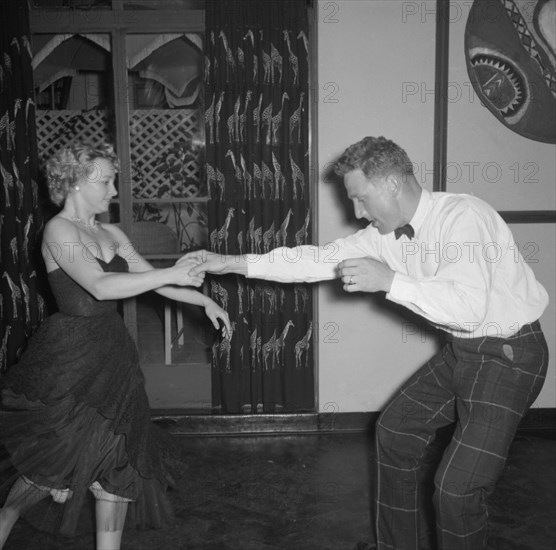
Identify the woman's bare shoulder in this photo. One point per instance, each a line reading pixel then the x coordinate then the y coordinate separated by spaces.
pixel 59 227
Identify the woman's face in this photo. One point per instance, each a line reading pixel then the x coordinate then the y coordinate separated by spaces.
pixel 97 184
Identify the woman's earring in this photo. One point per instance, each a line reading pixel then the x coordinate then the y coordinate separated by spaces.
pixel 76 187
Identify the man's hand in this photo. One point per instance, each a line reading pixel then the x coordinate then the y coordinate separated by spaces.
pixel 209 262
pixel 365 275
pixel 204 260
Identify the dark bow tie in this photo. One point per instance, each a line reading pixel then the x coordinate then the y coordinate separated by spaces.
pixel 404 230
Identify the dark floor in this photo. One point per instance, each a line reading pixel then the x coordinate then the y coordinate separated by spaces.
pixel 311 492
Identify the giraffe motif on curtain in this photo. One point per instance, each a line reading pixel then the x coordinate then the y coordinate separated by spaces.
pixel 22 307
pixel 257 163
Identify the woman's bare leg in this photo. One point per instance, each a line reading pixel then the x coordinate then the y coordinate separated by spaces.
pixel 21 497
pixel 111 512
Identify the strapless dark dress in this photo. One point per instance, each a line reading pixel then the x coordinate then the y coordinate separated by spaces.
pixel 74 411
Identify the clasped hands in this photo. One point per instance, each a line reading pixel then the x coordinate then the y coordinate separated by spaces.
pixel 201 262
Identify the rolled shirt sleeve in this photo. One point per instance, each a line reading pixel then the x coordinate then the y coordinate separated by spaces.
pixel 310 263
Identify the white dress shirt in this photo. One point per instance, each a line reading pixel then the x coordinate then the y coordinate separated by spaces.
pixel 462 271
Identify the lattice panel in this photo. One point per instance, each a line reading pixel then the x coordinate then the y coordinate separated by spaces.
pixel 156 135
pixel 58 128
pixel 163 164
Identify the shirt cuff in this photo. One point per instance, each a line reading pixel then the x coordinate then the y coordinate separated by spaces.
pixel 401 289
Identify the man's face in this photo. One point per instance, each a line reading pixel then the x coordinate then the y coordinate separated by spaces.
pixel 373 200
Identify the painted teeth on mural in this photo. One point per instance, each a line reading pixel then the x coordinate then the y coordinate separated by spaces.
pixel 500 72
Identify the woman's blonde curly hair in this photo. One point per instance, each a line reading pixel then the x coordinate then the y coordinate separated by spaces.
pixel 74 161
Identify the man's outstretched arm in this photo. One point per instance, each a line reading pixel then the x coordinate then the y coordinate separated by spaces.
pixel 297 264
pixel 301 264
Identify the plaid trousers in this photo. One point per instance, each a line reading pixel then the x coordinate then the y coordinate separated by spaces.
pixel 483 387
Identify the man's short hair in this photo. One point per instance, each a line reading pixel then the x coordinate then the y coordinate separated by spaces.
pixel 375 157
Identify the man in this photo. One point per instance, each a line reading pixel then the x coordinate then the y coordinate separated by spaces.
pixel 453 260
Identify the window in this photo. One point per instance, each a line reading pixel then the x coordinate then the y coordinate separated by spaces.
pixel 131 73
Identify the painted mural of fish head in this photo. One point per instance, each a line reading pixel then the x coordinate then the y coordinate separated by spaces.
pixel 510 48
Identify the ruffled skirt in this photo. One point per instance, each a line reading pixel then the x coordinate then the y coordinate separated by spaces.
pixel 75 417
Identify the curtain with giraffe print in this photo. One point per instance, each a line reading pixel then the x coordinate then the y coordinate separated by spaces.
pixel 21 303
pixel 257 163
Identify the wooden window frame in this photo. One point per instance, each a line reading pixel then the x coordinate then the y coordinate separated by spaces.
pixel 119 22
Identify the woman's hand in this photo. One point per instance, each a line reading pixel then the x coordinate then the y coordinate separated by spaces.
pixel 215 312
pixel 182 273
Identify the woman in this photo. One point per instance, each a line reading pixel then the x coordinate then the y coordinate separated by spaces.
pixel 75 416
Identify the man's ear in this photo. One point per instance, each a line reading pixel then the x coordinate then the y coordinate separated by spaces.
pixel 393 184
